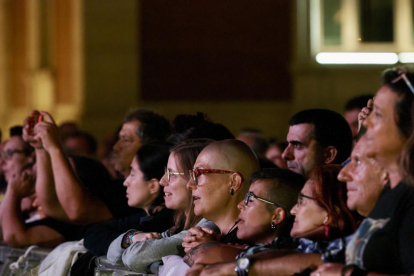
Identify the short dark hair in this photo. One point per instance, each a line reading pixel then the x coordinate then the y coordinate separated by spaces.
pixel 288 185
pixel 152 159
pixel 330 129
pixel 358 102
pixel 153 126
pixel 89 139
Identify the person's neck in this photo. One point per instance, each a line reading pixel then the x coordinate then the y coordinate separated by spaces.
pixel 227 221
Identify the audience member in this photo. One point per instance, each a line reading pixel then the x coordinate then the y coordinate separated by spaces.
pixel 255 139
pixel 138 249
pixel 219 182
pixel 16 154
pixel 264 213
pixel 384 243
pixel 80 143
pixel 317 137
pixel 61 193
pixel 140 127
pixel 274 154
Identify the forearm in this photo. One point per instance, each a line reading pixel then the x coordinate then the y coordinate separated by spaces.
pixel 218 253
pixel 13 226
pixel 45 187
pixel 79 205
pixel 288 264
pixel 141 254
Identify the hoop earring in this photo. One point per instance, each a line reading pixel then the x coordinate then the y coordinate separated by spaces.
pixel 273 225
pixel 232 191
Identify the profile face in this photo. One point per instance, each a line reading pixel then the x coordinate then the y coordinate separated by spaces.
pixel 256 217
pixel 308 214
pixel 212 193
pixel 138 192
pixel 176 195
pixel 384 140
pixel 302 153
pixel 364 180
pixel 126 147
pixel 17 160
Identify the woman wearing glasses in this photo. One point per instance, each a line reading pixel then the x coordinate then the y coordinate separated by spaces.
pixel 384 242
pixel 139 249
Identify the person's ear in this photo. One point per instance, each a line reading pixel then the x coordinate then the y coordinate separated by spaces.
pixel 279 215
pixel 236 182
pixel 329 154
pixel 154 186
pixel 384 176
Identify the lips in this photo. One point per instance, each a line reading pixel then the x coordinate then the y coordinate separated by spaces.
pixel 167 194
pixel 196 199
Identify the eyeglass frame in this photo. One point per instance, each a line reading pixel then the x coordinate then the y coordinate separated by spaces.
pixel 304 196
pixel 8 154
pixel 168 174
pixel 194 173
pixel 251 194
pixel 402 71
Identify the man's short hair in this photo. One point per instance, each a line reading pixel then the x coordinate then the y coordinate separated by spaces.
pixel 330 129
pixel 88 138
pixel 358 102
pixel 153 127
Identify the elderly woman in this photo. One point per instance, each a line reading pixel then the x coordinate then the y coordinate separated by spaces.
pixel 384 242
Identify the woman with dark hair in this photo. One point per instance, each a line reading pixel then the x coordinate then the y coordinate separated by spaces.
pixel 139 249
pixel 384 241
pixel 143 191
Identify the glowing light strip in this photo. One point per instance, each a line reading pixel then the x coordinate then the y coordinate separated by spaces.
pixel 406 57
pixel 357 58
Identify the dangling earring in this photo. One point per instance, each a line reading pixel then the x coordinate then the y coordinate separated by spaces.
pixel 273 225
pixel 232 191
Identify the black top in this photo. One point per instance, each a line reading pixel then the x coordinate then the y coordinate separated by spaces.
pixel 70 231
pixel 99 237
pixel 384 242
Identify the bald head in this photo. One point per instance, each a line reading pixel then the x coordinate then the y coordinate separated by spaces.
pixel 232 155
pixel 217 193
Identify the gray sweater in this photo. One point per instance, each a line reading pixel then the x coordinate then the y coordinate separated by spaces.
pixel 140 255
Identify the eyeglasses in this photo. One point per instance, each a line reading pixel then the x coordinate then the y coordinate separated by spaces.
pixel 9 153
pixel 251 194
pixel 169 173
pixel 196 172
pixel 301 197
pixel 402 71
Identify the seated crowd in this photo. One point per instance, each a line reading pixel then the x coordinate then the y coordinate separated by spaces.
pixel 194 200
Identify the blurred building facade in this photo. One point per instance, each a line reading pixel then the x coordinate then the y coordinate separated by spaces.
pixel 244 64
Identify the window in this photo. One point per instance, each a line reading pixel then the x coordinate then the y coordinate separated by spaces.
pixel 362 31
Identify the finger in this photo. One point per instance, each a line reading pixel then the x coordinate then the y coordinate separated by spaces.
pixel 370 103
pixel 207 230
pixel 47 117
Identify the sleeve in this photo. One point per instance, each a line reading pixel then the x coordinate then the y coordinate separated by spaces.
pixel 208 224
pixel 140 255
pixel 116 250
